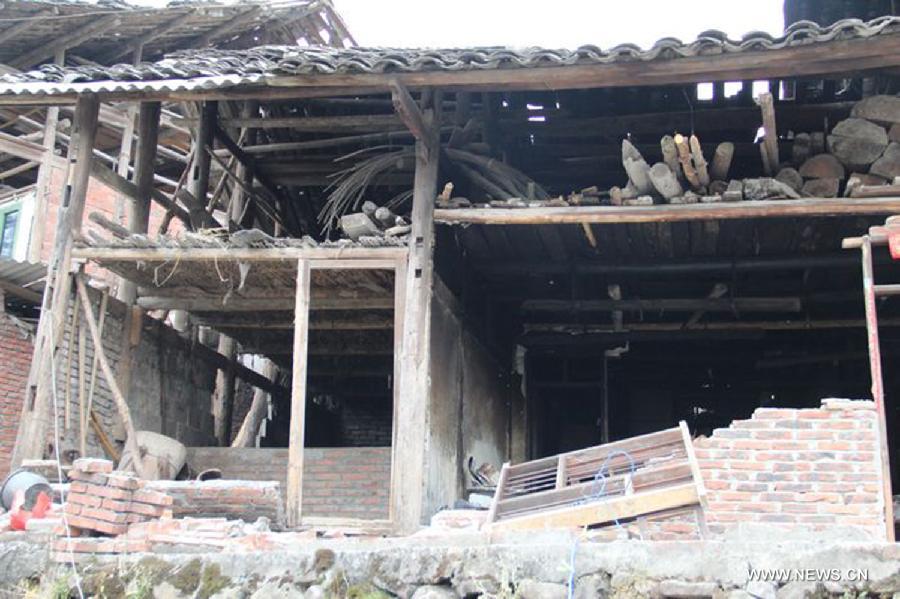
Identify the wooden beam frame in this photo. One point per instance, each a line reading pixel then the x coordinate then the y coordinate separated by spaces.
pixel 668 212
pixel 34 423
pixel 296 446
pixel 92 28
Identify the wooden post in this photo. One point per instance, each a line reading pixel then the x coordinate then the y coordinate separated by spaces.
pixel 126 146
pixel 34 423
pixel 45 173
pixel 199 179
pixel 138 208
pixel 868 276
pixel 411 423
pixel 298 397
pixel 246 436
pixel 223 395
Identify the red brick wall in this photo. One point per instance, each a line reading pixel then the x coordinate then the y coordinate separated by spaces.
pixel 815 469
pixel 100 199
pixel 338 482
pixel 15 360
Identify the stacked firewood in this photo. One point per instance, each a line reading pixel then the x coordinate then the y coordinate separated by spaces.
pixel 860 152
pixel 374 221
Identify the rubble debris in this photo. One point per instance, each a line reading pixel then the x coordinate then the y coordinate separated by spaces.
pixel 734 192
pixel 234 499
pixel 857 143
pixel 358 225
pixel 638 201
pixel 766 188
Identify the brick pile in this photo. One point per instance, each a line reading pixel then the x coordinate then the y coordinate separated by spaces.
pixel 102 501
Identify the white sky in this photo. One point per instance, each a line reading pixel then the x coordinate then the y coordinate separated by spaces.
pixel 550 23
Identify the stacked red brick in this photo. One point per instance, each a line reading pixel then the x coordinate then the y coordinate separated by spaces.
pixel 101 501
pixel 818 468
pixel 15 356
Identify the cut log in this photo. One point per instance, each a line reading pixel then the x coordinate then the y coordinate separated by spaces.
pixel 800 150
pixel 766 188
pixel 884 110
pixel 857 180
pixel 888 166
pixel 664 181
pixel 637 168
pixel 894 133
pixel 684 156
pixel 670 155
pixel 766 160
pixel 821 188
pixel 791 178
pixel 699 161
pixel 823 166
pixel 721 162
pixel 857 143
pixel 816 143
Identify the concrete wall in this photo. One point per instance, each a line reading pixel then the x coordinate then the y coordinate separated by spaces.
pixel 474 410
pixel 338 482
pixel 169 391
pixel 15 358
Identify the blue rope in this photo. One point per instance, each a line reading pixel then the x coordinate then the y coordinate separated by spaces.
pixel 597 491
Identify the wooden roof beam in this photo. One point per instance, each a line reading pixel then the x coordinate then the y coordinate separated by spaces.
pixel 92 29
pixel 669 212
pixel 24 25
pixel 409 111
pixel 225 28
pixel 147 37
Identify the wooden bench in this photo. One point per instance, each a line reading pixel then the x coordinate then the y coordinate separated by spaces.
pixel 625 479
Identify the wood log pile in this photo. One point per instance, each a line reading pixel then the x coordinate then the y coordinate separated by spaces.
pixel 858 157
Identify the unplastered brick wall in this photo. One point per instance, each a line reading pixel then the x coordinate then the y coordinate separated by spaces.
pixel 15 359
pixel 815 468
pixel 338 482
pixel 169 390
pixel 366 421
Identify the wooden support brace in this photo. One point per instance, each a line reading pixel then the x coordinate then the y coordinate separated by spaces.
pixel 122 406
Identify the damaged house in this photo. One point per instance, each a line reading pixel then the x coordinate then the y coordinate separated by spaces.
pixel 606 284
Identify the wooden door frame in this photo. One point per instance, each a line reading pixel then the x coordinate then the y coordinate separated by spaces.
pixel 294 492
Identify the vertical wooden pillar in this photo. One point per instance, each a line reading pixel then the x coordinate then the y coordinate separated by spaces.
pixel 410 436
pixel 298 396
pixel 138 209
pixel 45 173
pixel 199 180
pixel 868 276
pixel 36 412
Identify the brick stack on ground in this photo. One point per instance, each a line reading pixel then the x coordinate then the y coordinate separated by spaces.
pixel 104 502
